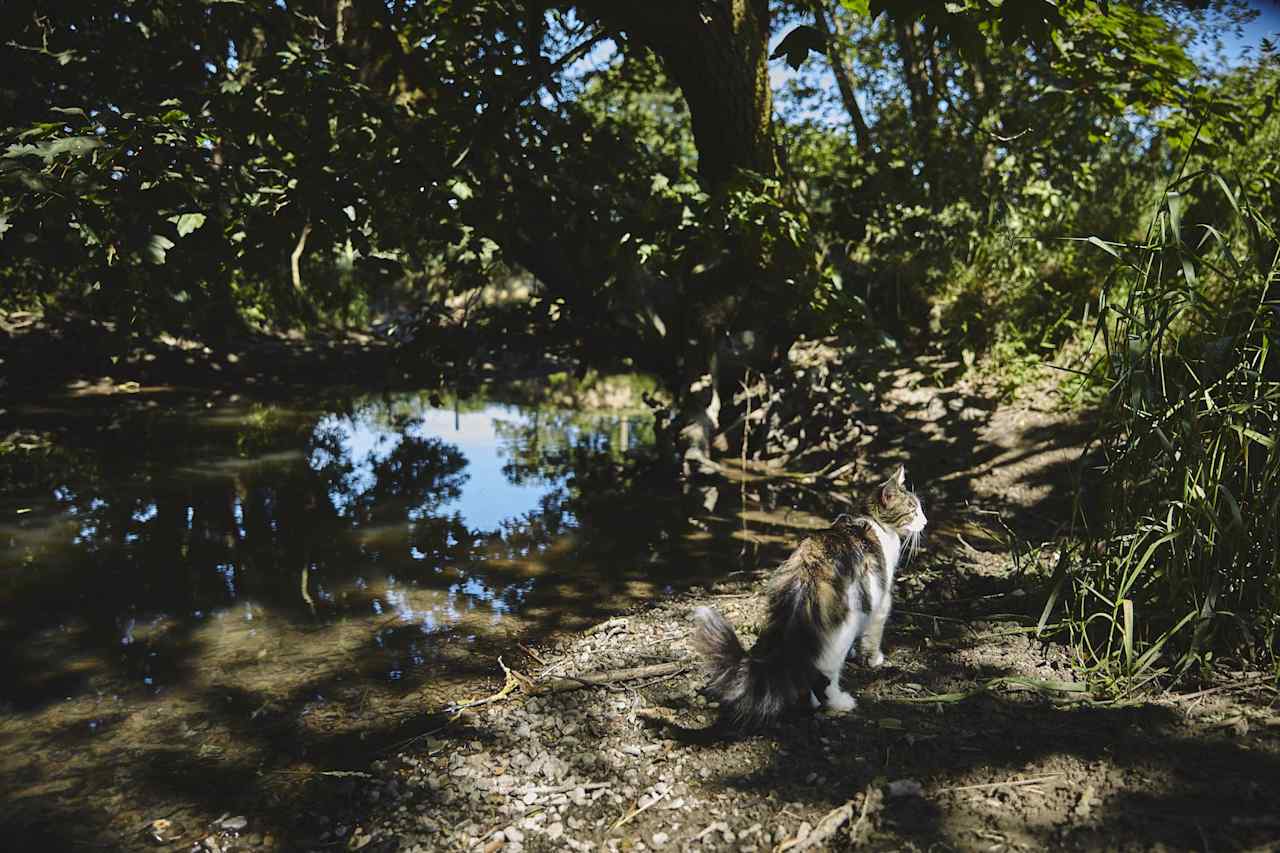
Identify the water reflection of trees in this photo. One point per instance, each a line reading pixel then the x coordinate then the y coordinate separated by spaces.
pixel 180 516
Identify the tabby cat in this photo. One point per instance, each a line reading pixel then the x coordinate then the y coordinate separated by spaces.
pixel 835 588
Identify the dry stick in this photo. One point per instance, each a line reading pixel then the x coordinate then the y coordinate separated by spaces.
pixel 1012 783
pixel 561 789
pixel 627 818
pixel 531 653
pixel 1238 685
pixel 603 679
pixel 516 679
pixel 337 774
pixel 654 681
pixel 922 615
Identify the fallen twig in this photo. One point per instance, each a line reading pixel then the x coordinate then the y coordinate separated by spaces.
pixel 560 789
pixel 531 653
pixel 921 615
pixel 1009 682
pixel 513 680
pixel 339 774
pixel 660 679
pixel 1011 783
pixel 628 817
pixel 1237 685
pixel 613 676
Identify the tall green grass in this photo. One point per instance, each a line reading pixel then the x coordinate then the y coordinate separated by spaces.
pixel 1178 562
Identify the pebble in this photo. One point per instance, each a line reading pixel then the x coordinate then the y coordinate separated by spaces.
pixel 660 839
pixel 513 834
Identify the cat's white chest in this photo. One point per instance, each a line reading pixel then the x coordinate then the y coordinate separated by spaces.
pixel 890 546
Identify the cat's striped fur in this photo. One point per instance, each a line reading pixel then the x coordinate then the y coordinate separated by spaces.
pixel 834 589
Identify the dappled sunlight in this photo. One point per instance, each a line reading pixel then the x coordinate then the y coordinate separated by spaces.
pixel 248 583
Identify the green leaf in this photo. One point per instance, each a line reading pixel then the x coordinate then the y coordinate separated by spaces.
pixel 50 151
pixel 1104 246
pixel 187 222
pixel 796 45
pixel 157 247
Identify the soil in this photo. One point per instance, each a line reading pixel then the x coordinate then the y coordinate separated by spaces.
pixel 975 736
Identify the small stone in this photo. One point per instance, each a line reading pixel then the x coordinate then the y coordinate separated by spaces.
pixel 235 824
pixel 660 839
pixel 555 830
pixel 513 834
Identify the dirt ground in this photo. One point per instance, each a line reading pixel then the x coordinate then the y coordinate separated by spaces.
pixel 976 736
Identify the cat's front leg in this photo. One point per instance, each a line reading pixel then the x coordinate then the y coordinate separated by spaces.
pixel 837 699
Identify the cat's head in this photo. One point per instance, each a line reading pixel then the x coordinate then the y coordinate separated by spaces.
pixel 893 504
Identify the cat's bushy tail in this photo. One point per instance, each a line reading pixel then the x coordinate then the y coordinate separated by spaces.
pixel 751 691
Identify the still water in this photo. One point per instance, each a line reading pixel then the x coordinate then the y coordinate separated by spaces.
pixel 192 595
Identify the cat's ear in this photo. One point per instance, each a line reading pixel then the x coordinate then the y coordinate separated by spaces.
pixel 900 476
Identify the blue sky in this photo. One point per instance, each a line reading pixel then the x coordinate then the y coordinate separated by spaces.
pixel 1266 25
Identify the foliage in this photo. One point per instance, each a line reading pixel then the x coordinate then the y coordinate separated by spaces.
pixel 303 163
pixel 1180 556
pixel 175 156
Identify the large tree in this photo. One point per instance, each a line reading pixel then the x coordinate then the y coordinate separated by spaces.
pixel 171 158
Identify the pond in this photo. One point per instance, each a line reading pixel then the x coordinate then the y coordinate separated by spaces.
pixel 195 595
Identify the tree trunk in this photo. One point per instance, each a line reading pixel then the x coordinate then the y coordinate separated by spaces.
pixel 718 55
pixel 741 314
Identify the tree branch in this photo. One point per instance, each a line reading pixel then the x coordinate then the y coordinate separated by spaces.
pixel 843 75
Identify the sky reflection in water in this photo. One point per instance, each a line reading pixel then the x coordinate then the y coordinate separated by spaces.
pixel 389 515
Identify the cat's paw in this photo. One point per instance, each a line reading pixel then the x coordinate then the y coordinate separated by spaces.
pixel 876 660
pixel 841 702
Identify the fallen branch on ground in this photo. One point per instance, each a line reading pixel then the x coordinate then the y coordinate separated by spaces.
pixel 1007 682
pixel 612 676
pixel 1011 783
pixel 1237 685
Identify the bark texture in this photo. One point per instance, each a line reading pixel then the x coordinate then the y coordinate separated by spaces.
pixel 717 53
